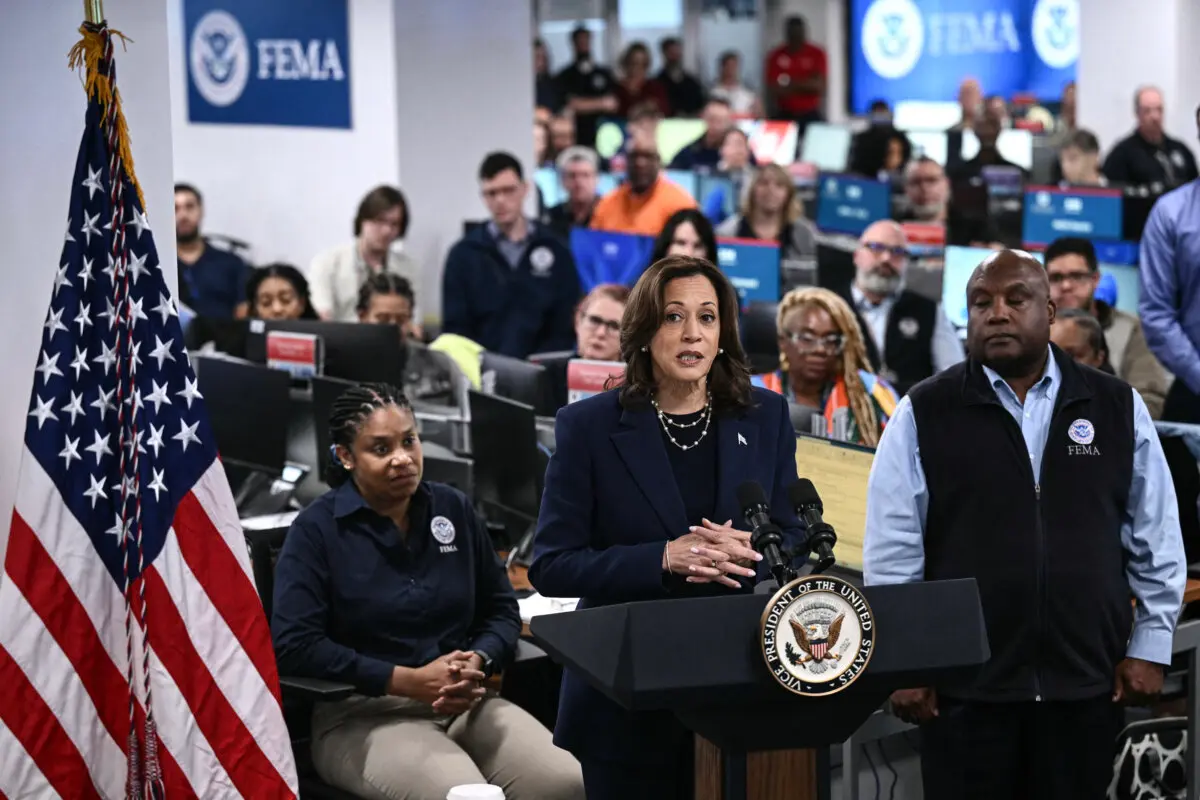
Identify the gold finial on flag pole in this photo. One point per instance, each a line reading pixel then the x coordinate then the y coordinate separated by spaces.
pixel 93 11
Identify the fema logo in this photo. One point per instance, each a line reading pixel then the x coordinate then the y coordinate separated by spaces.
pixel 1082 431
pixel 442 530
pixel 220 58
pixel 1055 31
pixel 893 36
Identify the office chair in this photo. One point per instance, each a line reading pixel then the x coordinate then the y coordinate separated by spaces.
pixel 1151 760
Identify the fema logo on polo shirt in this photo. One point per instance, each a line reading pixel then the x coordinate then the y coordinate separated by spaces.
pixel 1055 31
pixel 262 62
pixel 893 36
pixel 443 533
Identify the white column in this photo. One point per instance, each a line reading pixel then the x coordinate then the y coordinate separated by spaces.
pixel 40 137
pixel 1124 45
pixel 464 87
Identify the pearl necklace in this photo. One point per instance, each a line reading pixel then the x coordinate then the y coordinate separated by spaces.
pixel 667 423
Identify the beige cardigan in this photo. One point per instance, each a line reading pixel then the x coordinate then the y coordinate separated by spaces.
pixel 335 276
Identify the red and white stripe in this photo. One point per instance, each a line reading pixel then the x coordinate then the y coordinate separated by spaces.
pixel 63 711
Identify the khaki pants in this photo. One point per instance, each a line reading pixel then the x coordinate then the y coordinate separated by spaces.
pixel 395 748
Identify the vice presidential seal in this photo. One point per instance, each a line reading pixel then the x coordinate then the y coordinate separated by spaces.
pixel 818 634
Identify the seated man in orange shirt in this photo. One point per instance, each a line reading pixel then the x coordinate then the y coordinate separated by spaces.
pixel 647 199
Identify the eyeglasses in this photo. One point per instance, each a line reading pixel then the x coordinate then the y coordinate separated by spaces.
pixel 501 191
pixel 593 321
pixel 880 249
pixel 1062 277
pixel 811 343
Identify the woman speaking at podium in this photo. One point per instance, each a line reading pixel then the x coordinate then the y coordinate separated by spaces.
pixel 639 502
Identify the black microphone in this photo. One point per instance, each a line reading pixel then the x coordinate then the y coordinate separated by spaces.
pixel 821 537
pixel 766 537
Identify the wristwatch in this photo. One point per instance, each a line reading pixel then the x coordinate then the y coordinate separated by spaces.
pixel 487 663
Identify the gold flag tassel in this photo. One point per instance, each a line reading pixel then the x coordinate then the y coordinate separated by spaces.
pixel 89 54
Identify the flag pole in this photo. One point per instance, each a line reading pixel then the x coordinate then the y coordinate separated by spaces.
pixel 93 11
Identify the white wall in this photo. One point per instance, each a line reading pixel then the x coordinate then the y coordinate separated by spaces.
pixel 453 110
pixel 40 144
pixel 1125 45
pixel 292 192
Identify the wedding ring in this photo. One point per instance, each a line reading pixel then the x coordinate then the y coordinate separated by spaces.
pixel 714 563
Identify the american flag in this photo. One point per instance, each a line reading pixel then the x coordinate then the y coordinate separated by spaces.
pixel 135 656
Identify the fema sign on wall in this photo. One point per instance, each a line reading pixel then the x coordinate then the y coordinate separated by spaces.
pixel 265 62
pixel 922 49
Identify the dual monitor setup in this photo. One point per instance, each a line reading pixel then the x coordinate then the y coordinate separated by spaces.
pixel 256 406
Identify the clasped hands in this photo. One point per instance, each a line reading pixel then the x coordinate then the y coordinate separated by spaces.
pixel 711 553
pixel 452 683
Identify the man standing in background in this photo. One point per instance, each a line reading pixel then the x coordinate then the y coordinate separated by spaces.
pixel 1170 294
pixel 797 74
pixel 587 88
pixel 1148 156
pixel 685 94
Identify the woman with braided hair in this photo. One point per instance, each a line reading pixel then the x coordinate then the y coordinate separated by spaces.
pixel 824 371
pixel 390 583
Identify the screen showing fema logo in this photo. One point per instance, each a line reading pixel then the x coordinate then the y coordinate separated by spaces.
pixel 262 62
pixel 922 49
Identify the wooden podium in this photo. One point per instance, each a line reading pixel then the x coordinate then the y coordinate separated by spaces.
pixel 702 660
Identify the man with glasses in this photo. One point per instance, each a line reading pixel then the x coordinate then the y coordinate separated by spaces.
pixel 927 190
pixel 578 169
pixel 644 203
pixel 908 336
pixel 509 285
pixel 1074 275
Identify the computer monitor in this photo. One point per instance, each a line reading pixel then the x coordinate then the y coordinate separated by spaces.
pixel 826 146
pixel 1086 212
pixel 505 452
pixel 353 351
pixel 546 180
pixel 324 392
pixel 1015 146
pixel 760 336
pixel 752 267
pixel 609 257
pixel 848 204
pixel 517 380
pixel 840 472
pixel 709 186
pixel 247 411
pixel 929 144
pixel 683 178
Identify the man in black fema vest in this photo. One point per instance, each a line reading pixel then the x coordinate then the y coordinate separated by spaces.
pixel 1045 481
pixel 908 336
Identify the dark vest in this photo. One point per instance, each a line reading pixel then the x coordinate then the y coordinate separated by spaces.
pixel 1045 550
pixel 907 340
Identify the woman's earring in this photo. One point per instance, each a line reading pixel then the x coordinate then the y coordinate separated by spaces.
pixel 720 350
pixel 643 348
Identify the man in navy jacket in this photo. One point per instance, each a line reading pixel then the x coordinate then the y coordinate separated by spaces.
pixel 510 285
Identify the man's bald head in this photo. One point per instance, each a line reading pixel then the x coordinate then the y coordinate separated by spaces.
pixel 1009 313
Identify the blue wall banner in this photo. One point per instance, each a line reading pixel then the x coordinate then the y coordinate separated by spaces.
pixel 262 62
pixel 922 49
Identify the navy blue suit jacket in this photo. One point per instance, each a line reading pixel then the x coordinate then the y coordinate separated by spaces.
pixel 609 507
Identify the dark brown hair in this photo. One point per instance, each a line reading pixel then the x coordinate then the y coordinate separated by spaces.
pixel 729 378
pixel 376 202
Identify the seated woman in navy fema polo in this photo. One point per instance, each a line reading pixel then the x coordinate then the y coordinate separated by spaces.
pixel 390 583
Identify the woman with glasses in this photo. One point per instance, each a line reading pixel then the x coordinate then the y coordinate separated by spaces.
pixel 597 335
pixel 824 372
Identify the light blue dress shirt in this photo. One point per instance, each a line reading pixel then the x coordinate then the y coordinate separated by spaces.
pixel 946 349
pixel 898 499
pixel 1169 278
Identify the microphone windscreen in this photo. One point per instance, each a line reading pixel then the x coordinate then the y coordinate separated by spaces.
pixel 750 495
pixel 803 493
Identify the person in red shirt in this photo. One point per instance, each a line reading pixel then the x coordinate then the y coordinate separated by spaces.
pixel 797 73
pixel 636 87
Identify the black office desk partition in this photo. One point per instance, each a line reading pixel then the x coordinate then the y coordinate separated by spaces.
pixel 702 659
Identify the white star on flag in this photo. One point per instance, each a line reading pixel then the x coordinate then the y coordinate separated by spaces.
pixel 120 530
pixel 85 273
pixel 48 367
pixel 43 411
pixel 158 396
pixel 140 222
pixel 89 227
pixel 104 402
pixel 80 362
pixel 137 268
pixel 162 351
pixel 157 484
pixel 156 438
pixel 60 278
pixel 187 433
pixel 190 391
pixel 107 357
pixel 99 447
pixel 84 318
pixel 165 307
pixel 75 407
pixel 95 491
pixel 69 451
pixel 93 182
pixel 53 323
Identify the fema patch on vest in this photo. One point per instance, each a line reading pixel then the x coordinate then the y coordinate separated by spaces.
pixel 818 634
pixel 541 259
pixel 1082 432
pixel 909 328
pixel 443 532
